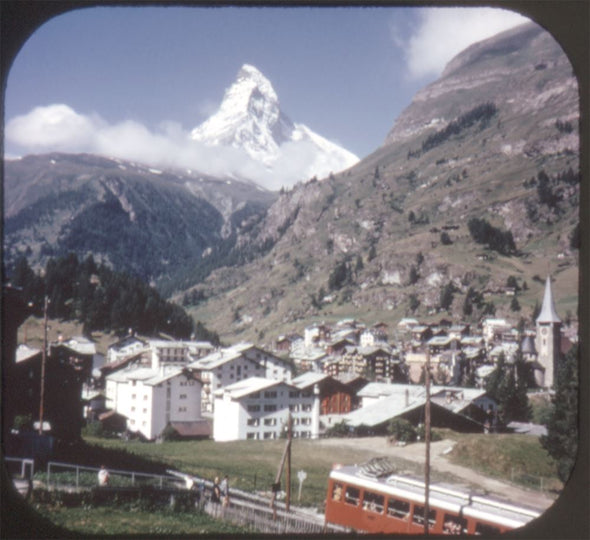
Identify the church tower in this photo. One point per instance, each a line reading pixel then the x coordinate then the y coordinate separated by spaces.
pixel 548 338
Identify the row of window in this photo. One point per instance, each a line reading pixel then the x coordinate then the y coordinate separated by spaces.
pixel 254 422
pixel 401 509
pixel 255 435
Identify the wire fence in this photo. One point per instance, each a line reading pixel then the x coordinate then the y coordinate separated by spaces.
pixel 541 483
pixel 64 475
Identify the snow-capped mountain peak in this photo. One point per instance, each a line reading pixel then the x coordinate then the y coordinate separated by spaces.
pixel 250 118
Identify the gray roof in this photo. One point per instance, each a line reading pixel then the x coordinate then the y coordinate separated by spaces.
pixel 548 313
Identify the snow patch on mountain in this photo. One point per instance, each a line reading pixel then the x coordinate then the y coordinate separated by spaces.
pixel 250 119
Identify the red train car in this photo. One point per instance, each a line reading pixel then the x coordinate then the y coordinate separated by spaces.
pixel 371 498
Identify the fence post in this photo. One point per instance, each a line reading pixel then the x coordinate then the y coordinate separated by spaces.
pixel 77 477
pixel 132 478
pixel 48 474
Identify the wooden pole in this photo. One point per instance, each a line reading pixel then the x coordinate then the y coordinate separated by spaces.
pixel 286 452
pixel 43 361
pixel 288 477
pixel 427 444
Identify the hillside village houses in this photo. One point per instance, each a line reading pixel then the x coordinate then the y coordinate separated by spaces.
pixel 330 373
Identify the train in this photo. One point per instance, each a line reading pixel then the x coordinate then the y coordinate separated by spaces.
pixel 372 498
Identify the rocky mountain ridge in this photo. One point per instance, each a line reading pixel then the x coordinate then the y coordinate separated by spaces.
pixel 495 140
pixel 139 219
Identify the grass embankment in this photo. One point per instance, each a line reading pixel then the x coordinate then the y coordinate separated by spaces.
pixel 516 458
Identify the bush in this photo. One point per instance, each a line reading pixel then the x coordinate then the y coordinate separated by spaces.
pixel 402 430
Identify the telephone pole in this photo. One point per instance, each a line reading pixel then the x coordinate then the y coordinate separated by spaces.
pixel 43 362
pixel 427 443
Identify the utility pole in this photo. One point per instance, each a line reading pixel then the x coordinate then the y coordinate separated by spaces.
pixel 427 442
pixel 276 485
pixel 288 478
pixel 43 362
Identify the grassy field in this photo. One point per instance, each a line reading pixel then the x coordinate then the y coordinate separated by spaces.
pixel 250 464
pixel 112 520
pixel 253 464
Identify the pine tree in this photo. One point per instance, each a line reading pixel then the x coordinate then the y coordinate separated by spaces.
pixel 561 440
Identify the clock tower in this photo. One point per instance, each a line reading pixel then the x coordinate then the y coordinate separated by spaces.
pixel 548 338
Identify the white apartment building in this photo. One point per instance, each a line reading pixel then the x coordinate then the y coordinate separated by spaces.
pixel 229 365
pixel 151 398
pixel 259 408
pixel 165 352
pixel 124 348
pixel 158 352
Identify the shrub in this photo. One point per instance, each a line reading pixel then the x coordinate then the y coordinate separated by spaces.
pixel 402 430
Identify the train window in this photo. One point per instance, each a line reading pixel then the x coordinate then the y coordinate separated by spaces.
pixel 418 516
pixel 337 492
pixel 352 495
pixel 454 524
pixel 398 509
pixel 373 502
pixel 485 529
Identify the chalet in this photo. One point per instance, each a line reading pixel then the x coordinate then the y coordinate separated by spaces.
pixel 437 344
pixel 338 346
pixel 259 408
pixel 450 407
pixel 421 333
pixel 335 396
pixel 66 371
pixel 285 343
pixel 232 364
pixel 407 324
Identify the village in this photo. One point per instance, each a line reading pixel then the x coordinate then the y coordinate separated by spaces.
pixel 344 374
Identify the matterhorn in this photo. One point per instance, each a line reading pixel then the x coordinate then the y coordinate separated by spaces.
pixel 282 152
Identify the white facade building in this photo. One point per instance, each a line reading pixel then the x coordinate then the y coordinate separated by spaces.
pixel 259 408
pixel 230 365
pixel 152 398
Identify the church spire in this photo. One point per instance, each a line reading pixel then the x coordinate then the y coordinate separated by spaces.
pixel 548 313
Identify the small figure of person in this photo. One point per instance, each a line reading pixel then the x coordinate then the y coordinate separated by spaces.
pixel 224 488
pixel 216 493
pixel 103 476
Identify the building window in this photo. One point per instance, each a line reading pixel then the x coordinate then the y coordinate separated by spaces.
pixel 270 394
pixel 270 408
pixel 270 421
pixel 253 422
pixel 253 408
pixel 182 396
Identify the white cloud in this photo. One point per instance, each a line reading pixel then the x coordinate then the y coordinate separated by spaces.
pixel 59 128
pixel 442 33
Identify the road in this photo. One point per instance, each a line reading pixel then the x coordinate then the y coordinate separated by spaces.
pixel 438 462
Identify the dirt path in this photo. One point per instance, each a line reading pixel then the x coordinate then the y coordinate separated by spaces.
pixel 416 452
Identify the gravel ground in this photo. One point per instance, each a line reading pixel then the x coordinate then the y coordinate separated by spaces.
pixel 438 462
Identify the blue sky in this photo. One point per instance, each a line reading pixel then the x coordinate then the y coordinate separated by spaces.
pixel 345 72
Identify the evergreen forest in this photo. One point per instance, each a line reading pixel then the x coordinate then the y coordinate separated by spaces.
pixel 103 300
